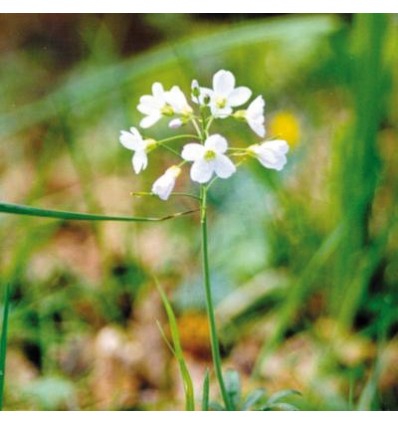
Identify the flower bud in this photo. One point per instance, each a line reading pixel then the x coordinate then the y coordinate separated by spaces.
pixel 176 123
pixel 164 185
pixel 195 88
pixel 240 115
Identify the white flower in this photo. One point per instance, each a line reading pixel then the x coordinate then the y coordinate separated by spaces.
pixel 164 185
pixel 271 154
pixel 133 140
pixel 163 103
pixel 177 100
pixel 209 159
pixel 254 116
pixel 224 96
pixel 154 106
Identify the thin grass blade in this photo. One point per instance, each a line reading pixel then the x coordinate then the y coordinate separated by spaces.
pixel 206 392
pixel 3 342
pixel 9 208
pixel 185 375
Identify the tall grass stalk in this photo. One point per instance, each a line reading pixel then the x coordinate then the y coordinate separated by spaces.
pixel 358 165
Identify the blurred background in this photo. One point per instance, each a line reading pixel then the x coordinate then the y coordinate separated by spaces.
pixel 304 262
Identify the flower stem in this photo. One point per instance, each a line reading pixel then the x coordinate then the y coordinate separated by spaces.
pixel 215 346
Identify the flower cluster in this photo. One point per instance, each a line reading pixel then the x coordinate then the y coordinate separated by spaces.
pixel 211 155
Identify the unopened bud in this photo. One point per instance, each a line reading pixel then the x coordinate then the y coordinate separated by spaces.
pixel 206 99
pixel 195 88
pixel 176 123
pixel 240 115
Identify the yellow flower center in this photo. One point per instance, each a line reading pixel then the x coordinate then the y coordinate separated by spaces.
pixel 150 145
pixel 221 102
pixel 209 155
pixel 167 110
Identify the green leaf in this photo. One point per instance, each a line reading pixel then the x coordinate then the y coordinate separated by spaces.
pixel 9 208
pixel 233 387
pixel 281 395
pixel 253 398
pixel 284 406
pixel 185 375
pixel 206 391
pixel 213 405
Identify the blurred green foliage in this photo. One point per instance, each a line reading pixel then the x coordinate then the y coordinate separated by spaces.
pixel 304 262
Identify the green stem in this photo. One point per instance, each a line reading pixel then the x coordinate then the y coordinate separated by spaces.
pixel 3 342
pixel 180 136
pixel 215 346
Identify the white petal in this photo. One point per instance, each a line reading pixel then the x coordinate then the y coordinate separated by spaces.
pixel 217 143
pixel 133 140
pixel 223 83
pixel 149 104
pixel 158 91
pixel 150 120
pixel 147 109
pixel 192 151
pixel 202 170
pixel 257 126
pixel 220 113
pixel 140 161
pixel 177 100
pixel 239 96
pixel 256 107
pixel 223 166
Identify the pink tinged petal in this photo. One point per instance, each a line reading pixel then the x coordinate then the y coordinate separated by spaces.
pixel 280 146
pixel 217 143
pixel 273 161
pixel 202 171
pixel 150 120
pixel 224 167
pixel 140 161
pixel 239 96
pixel 192 152
pixel 176 123
pixel 223 83
pixel 273 154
